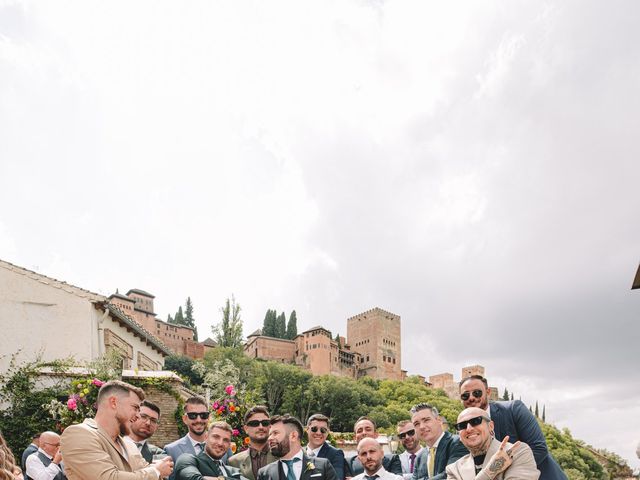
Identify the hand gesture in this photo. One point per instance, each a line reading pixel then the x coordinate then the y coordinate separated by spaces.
pixel 164 466
pixel 501 460
pixel 57 458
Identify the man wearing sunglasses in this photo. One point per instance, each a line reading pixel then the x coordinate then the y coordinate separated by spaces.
pixel 512 419
pixel 488 458
pixel 143 429
pixel 365 427
pixel 256 426
pixel 196 418
pixel 441 449
pixel 317 433
pixel 409 438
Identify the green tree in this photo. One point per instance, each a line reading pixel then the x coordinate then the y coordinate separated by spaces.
pixel 229 331
pixel 178 318
pixel 537 411
pixel 183 366
pixel 512 396
pixel 189 320
pixel 269 325
pixel 169 318
pixel 505 395
pixel 275 379
pixel 292 326
pixel 544 413
pixel 281 326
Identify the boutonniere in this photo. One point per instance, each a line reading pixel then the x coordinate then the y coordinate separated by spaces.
pixel 310 466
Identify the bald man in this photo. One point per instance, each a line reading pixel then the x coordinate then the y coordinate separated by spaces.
pixel 371 455
pixel 489 459
pixel 46 462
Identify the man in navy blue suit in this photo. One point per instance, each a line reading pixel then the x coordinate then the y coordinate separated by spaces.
pixel 513 419
pixel 317 433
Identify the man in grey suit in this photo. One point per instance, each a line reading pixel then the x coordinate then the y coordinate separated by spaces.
pixel 256 426
pixel 441 448
pixel 512 419
pixel 196 418
pixel 489 459
pixel 143 429
pixel 285 443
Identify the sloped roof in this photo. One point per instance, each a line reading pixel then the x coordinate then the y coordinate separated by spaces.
pixel 210 342
pixel 140 292
pixel 636 281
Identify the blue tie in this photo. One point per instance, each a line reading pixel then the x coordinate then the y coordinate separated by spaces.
pixel 291 475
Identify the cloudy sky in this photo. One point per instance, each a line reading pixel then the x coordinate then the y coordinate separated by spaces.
pixel 472 167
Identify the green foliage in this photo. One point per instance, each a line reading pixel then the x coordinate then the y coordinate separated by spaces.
pixel 571 455
pixel 269 325
pixel 188 318
pixel 273 380
pixel 183 366
pixel 292 326
pixel 229 331
pixel 281 326
pixel 505 395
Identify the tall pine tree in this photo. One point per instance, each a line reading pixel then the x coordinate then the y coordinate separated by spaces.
pixel 544 413
pixel 537 411
pixel 229 331
pixel 179 317
pixel 505 395
pixel 292 326
pixel 189 321
pixel 281 326
pixel 269 325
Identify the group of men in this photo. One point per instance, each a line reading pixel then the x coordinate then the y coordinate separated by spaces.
pixel 115 444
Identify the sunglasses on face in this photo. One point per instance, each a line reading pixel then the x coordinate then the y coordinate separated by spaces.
pixel 194 415
pixel 474 422
pixel 476 393
pixel 315 429
pixel 408 433
pixel 257 423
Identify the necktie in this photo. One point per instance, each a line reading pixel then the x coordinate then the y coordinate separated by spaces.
pixel 200 448
pixel 413 459
pixel 217 472
pixel 291 475
pixel 432 460
pixel 139 445
pixel 372 477
pixel 310 454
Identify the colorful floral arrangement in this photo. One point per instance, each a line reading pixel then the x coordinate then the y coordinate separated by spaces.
pixel 80 404
pixel 230 409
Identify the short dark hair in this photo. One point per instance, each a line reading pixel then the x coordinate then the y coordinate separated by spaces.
pixel 364 417
pixel 253 410
pixel 118 388
pixel 223 425
pixel 195 400
pixel 474 377
pixel 149 404
pixel 318 417
pixel 289 420
pixel 424 406
pixel 402 423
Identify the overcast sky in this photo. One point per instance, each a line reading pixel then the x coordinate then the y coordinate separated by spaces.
pixel 472 167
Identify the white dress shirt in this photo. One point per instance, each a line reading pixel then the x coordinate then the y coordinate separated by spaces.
pixel 36 469
pixel 405 460
pixel 382 475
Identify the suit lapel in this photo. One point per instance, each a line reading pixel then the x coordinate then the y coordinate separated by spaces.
pixel 467 468
pixel 118 448
pixel 496 418
pixel 440 452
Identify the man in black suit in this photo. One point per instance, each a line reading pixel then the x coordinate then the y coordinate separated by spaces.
pixel 285 443
pixel 208 463
pixel 143 429
pixel 441 448
pixel 317 433
pixel 513 419
pixel 365 427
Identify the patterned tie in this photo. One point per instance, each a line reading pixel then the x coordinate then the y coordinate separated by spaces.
pixel 200 448
pixel 432 460
pixel 139 445
pixel 217 471
pixel 291 475
pixel 413 460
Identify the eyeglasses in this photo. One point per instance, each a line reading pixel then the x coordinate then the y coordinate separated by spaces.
pixel 315 429
pixel 146 418
pixel 194 415
pixel 257 423
pixel 476 393
pixel 474 422
pixel 52 444
pixel 409 433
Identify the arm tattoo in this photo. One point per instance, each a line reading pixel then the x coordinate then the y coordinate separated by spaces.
pixel 496 465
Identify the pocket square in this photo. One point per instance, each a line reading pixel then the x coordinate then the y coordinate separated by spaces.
pixel 315 475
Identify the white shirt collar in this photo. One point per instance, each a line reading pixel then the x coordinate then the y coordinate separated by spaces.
pixel 435 445
pixel 314 450
pixel 45 454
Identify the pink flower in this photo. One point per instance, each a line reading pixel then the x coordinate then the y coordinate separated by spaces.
pixel 215 405
pixel 71 404
pixel 236 432
pixel 230 390
pixel 97 383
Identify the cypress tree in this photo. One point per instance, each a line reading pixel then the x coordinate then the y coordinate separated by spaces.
pixel 544 413
pixel 188 318
pixel 269 325
pixel 281 326
pixel 292 326
pixel 537 412
pixel 505 395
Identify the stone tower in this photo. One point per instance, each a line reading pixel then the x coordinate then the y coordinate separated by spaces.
pixel 375 334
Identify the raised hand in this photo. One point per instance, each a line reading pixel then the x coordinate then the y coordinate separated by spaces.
pixel 502 459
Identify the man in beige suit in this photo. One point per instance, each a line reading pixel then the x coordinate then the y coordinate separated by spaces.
pixel 96 450
pixel 256 425
pixel 489 459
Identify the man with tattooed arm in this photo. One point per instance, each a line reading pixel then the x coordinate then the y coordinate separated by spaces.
pixel 489 459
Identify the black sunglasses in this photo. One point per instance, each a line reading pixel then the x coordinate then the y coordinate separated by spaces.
pixel 474 422
pixel 476 393
pixel 257 423
pixel 194 415
pixel 315 429
pixel 409 433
